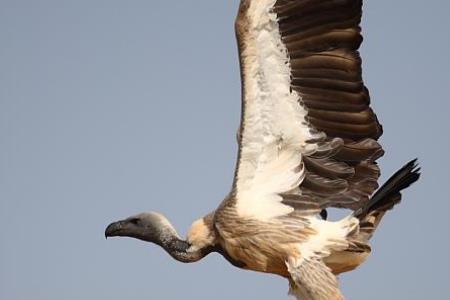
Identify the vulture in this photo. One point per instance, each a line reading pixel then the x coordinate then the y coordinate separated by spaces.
pixel 308 141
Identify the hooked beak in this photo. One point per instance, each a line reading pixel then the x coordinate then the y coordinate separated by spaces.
pixel 115 229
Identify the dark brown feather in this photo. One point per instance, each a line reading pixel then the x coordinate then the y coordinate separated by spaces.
pixel 322 39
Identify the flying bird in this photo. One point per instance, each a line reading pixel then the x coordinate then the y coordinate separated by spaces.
pixel 307 142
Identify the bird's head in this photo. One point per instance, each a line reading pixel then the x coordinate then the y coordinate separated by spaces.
pixel 150 227
pixel 155 228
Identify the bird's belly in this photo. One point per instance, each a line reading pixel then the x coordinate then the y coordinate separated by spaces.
pixel 258 255
pixel 270 259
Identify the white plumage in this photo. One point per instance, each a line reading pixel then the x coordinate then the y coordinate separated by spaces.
pixel 274 132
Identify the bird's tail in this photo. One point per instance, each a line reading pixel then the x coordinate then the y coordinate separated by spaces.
pixel 385 199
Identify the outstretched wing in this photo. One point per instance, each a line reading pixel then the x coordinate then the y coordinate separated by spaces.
pixel 307 135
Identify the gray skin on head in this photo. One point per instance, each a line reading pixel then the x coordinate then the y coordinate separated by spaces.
pixel 155 228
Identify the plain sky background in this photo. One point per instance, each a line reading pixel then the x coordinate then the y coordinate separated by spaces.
pixel 109 108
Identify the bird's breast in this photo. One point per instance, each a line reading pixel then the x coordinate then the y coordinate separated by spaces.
pixel 253 253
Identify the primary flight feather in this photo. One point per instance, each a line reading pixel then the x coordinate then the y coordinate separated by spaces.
pixel 307 142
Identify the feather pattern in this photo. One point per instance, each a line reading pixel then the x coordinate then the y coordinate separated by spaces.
pixel 307 141
pixel 307 128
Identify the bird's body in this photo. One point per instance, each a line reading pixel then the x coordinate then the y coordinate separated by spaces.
pixel 307 142
pixel 267 246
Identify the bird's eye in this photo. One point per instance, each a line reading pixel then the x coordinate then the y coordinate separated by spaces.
pixel 134 221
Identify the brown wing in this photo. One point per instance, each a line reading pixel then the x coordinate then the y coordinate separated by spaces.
pixel 322 40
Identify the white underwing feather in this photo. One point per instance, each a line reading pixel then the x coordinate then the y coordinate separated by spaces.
pixel 274 129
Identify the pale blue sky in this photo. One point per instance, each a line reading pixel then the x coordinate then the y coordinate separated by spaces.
pixel 109 108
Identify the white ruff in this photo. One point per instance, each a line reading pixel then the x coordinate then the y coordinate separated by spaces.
pixel 274 128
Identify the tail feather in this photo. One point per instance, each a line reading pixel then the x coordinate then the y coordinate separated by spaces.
pixel 389 194
pixel 385 199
